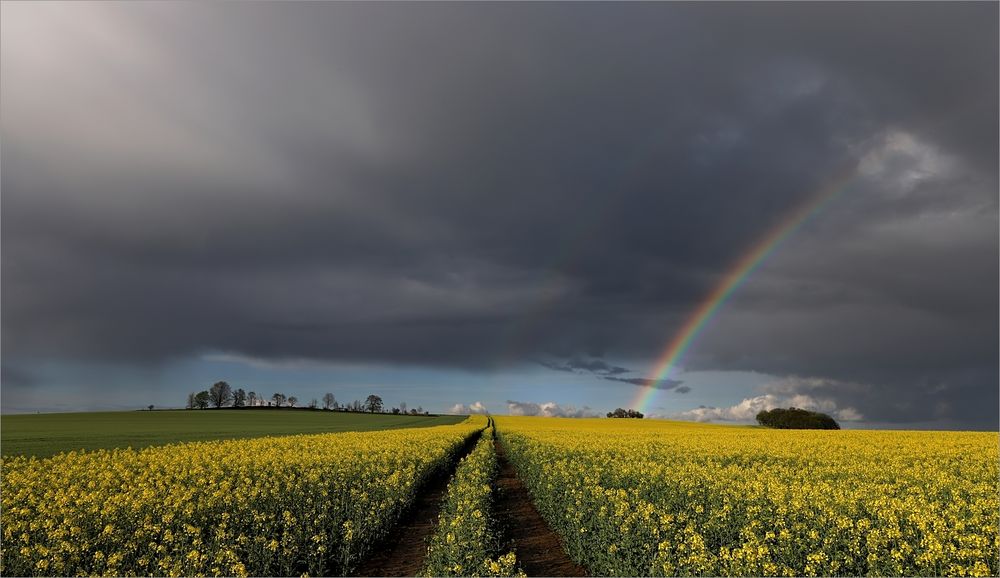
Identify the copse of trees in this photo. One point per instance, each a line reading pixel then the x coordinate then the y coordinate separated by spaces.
pixel 795 418
pixel 625 413
pixel 221 394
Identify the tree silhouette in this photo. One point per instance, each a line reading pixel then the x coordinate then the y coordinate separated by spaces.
pixel 328 401
pixel 220 394
pixel 279 398
pixel 239 398
pixel 202 399
pixel 373 404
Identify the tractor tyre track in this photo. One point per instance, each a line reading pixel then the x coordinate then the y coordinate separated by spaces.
pixel 539 549
pixel 404 551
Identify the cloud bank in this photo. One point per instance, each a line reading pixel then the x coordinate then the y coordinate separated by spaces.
pixel 747 410
pixel 476 186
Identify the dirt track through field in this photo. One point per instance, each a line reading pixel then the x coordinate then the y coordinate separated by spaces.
pixel 403 553
pixel 539 549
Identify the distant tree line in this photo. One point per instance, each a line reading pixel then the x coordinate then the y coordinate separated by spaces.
pixel 625 413
pixel 795 418
pixel 221 394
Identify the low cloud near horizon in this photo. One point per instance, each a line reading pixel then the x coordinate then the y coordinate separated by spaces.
pixel 548 409
pixel 747 410
pixel 804 393
pixel 473 408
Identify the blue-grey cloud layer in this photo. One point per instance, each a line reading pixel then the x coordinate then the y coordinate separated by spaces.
pixel 484 184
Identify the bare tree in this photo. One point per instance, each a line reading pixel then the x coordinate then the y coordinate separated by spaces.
pixel 252 398
pixel 373 404
pixel 328 401
pixel 313 404
pixel 220 394
pixel 239 398
pixel 292 400
pixel 402 407
pixel 190 403
pixel 279 398
pixel 202 399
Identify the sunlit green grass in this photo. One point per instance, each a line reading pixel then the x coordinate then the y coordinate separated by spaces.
pixel 44 435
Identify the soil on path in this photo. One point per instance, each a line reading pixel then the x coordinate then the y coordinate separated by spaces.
pixel 539 549
pixel 404 551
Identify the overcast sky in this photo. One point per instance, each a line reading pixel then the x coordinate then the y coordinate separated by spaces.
pixel 502 204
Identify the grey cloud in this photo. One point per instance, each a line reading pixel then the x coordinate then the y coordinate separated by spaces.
pixel 556 366
pixel 481 185
pixel 16 377
pixel 595 366
pixel 664 384
pixel 581 365
pixel 682 389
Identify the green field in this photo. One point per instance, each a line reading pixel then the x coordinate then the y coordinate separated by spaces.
pixel 44 435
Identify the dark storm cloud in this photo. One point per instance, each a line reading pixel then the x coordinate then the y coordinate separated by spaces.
pixel 484 184
pixel 15 377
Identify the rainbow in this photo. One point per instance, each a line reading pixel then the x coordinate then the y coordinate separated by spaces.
pixel 733 279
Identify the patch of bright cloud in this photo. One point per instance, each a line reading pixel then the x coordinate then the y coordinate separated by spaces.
pixel 547 409
pixel 747 409
pixel 476 407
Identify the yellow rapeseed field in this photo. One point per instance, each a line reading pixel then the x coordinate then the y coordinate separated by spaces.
pixel 275 506
pixel 645 497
